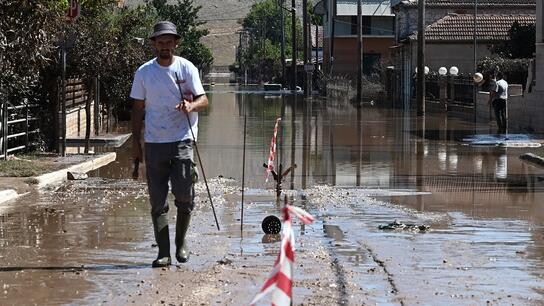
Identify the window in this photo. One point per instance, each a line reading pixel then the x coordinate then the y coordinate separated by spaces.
pixel 374 25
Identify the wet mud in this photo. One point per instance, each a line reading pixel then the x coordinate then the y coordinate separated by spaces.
pixel 91 242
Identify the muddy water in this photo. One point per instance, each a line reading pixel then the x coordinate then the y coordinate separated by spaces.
pixel 88 242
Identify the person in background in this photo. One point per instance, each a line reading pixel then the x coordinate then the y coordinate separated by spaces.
pixel 499 101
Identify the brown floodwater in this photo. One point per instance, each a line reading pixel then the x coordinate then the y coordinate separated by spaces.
pixel 87 242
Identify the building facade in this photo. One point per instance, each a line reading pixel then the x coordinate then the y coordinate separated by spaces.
pixel 449 37
pixel 340 49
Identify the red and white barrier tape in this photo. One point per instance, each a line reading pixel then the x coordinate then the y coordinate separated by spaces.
pixel 280 280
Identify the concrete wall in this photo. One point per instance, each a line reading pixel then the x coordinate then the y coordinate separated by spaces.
pixel 525 113
pixel 448 55
pixel 76 120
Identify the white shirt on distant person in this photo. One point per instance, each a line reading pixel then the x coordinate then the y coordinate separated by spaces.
pixel 501 88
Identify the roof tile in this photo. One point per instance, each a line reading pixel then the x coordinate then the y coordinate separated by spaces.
pixel 460 27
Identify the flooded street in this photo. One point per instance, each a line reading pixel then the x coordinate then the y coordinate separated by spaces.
pixel 92 242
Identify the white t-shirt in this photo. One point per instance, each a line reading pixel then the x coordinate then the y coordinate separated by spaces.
pixel 157 86
pixel 501 88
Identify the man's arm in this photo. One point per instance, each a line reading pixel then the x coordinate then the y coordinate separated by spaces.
pixel 199 103
pixel 138 109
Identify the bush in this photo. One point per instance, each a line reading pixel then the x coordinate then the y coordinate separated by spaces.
pixel 515 70
pixel 27 37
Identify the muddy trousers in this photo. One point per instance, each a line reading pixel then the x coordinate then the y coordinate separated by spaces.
pixel 170 162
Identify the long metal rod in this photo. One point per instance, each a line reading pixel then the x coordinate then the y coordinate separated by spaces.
pixel 243 175
pixel 198 155
pixel 475 85
pixel 63 101
pixel 305 35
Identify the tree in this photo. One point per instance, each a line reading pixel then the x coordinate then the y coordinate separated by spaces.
pixel 521 43
pixel 184 14
pixel 25 47
pixel 262 57
pixel 28 39
pixel 109 42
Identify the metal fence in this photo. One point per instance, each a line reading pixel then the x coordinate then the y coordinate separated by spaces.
pixel 432 88
pixel 18 126
pixel 457 91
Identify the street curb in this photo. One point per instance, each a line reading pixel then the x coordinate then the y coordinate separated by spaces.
pixel 532 158
pixel 8 195
pixel 115 141
pixel 61 175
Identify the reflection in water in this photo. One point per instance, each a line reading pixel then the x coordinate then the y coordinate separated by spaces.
pixel 333 142
pixel 442 157
pixel 336 143
pixel 501 171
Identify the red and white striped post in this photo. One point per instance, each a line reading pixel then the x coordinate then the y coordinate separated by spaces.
pixel 272 155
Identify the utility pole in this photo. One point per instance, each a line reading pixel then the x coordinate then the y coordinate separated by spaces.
pixel 283 81
pixel 475 86
pixel 305 51
pixel 294 43
pixel 316 47
pixel 475 37
pixel 421 59
pixel 63 100
pixel 331 37
pixel 309 65
pixel 359 52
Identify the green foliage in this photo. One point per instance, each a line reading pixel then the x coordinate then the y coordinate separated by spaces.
pixel 262 55
pixel 105 41
pixel 314 18
pixel 109 46
pixel 515 70
pixel 27 42
pixel 521 43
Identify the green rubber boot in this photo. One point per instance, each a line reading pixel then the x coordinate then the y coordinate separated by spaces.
pixel 162 237
pixel 182 224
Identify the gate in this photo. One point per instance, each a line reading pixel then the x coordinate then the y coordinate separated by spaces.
pixel 18 127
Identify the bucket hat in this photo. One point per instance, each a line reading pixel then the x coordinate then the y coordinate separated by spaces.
pixel 162 28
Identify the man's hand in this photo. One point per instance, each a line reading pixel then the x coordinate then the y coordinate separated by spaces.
pixel 185 106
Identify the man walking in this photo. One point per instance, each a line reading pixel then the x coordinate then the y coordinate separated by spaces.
pixel 168 136
pixel 499 98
